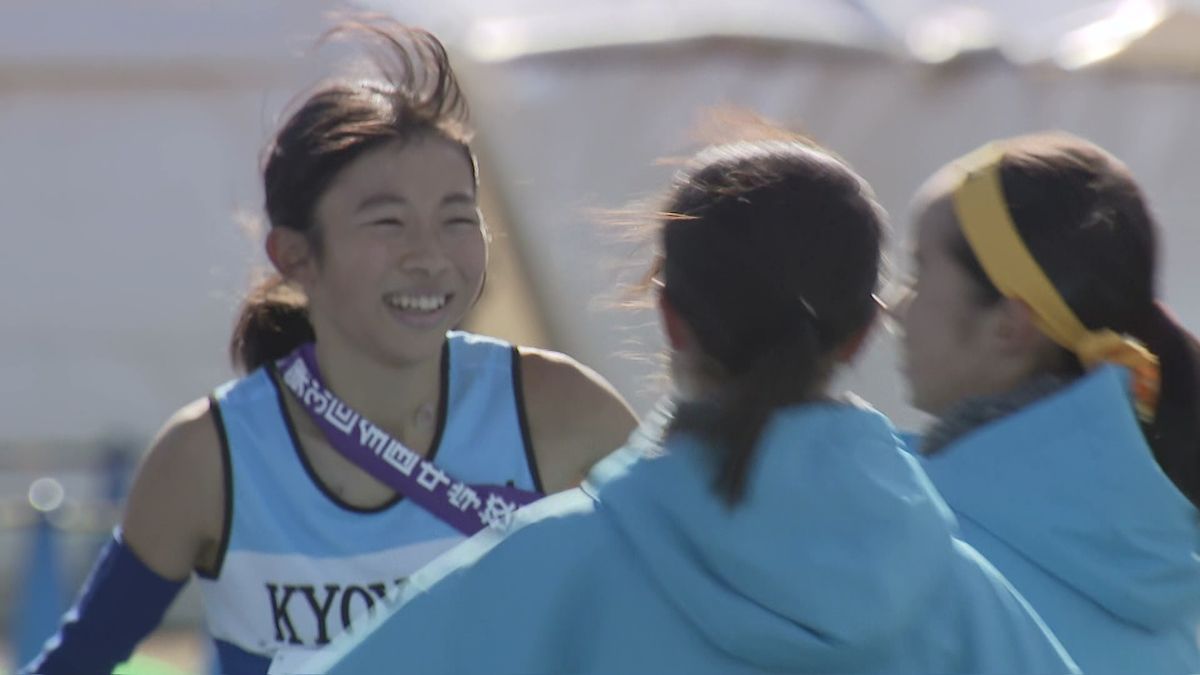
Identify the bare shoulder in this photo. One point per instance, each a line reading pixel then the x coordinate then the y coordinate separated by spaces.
pixel 175 510
pixel 558 384
pixel 187 448
pixel 575 416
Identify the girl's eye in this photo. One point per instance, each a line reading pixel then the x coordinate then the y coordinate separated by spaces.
pixel 469 222
pixel 394 222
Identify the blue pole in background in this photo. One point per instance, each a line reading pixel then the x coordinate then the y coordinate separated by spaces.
pixel 41 597
pixel 42 594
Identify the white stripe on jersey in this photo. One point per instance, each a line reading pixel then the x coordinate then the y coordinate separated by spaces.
pixel 266 601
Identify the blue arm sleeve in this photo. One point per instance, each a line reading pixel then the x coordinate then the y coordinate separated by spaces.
pixel 122 601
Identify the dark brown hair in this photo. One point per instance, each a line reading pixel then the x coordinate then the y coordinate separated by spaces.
pixel 770 253
pixel 1086 222
pixel 416 95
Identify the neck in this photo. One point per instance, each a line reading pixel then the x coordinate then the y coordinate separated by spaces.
pixel 391 396
pixel 971 413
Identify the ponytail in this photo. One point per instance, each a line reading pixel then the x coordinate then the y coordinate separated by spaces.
pixel 272 322
pixel 770 254
pixel 1174 435
pixel 731 424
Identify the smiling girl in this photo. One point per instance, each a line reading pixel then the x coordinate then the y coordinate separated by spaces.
pixel 368 435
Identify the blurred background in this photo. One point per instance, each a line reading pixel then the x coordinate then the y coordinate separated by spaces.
pixel 130 133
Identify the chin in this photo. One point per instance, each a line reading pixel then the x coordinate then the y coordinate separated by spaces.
pixel 412 349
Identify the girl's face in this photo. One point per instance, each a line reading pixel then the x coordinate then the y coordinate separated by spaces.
pixel 403 250
pixel 946 350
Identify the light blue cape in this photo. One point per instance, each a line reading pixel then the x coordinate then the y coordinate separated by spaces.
pixel 1066 499
pixel 839 559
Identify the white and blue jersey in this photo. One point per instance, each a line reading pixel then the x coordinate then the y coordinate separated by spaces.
pixel 298 565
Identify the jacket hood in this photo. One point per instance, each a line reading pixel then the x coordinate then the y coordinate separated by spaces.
pixel 838 523
pixel 1070 483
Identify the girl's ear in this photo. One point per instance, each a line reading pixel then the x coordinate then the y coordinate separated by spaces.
pixel 679 334
pixel 850 350
pixel 1013 328
pixel 291 254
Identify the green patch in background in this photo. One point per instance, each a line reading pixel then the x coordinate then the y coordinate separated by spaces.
pixel 145 665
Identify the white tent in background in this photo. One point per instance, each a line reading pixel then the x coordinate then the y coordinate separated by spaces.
pixel 129 136
pixel 1172 44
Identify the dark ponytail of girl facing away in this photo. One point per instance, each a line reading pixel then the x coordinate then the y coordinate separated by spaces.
pixel 770 254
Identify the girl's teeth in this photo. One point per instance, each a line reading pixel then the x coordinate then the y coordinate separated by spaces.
pixel 423 303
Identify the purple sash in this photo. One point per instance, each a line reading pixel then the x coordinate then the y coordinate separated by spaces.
pixel 467 508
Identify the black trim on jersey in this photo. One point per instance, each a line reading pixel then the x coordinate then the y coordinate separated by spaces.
pixel 443 398
pixel 227 475
pixel 523 420
pixel 308 468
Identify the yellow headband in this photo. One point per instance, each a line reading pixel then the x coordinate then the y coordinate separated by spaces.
pixel 985 221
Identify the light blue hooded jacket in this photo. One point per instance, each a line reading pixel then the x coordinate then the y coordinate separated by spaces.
pixel 1066 499
pixel 839 559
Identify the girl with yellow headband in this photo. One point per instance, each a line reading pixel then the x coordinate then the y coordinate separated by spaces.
pixel 1067 400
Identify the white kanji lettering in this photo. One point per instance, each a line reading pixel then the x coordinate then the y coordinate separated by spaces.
pixel 296 377
pixel 464 498
pixel 431 477
pixel 341 416
pixel 498 513
pixel 317 398
pixel 372 436
pixel 402 458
